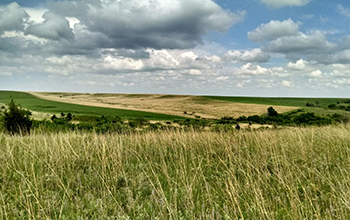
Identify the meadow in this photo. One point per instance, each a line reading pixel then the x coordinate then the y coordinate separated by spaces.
pixel 181 105
pixel 288 173
pixel 281 101
pixel 160 107
pixel 48 107
pixel 116 164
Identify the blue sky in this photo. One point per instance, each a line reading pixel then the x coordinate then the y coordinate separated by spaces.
pixel 222 47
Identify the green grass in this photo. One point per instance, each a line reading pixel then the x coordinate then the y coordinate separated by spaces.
pixel 33 103
pixel 297 102
pixel 296 173
pixel 322 110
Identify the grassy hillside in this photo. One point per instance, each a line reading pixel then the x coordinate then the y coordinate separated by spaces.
pixel 299 173
pixel 40 105
pixel 297 102
pixel 322 103
pixel 164 104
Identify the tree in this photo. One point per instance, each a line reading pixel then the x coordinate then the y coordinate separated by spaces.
pixel 238 127
pixel 271 112
pixel 53 117
pixel 332 106
pixel 69 117
pixel 16 119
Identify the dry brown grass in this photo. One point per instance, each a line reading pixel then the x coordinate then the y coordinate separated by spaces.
pixel 165 104
pixel 299 173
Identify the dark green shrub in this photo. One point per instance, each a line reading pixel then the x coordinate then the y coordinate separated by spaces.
pixel 310 118
pixel 332 106
pixel 53 117
pixel 238 127
pixel 69 117
pixel 132 124
pixel 110 128
pixel 271 112
pixel 141 122
pixel 16 119
pixel 154 126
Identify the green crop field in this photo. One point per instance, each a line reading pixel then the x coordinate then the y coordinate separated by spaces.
pixel 33 103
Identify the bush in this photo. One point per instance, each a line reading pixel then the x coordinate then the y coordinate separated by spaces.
pixel 271 112
pixel 16 119
pixel 332 106
pixel 310 118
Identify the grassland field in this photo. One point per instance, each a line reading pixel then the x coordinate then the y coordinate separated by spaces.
pixel 296 102
pixel 159 107
pixel 49 107
pixel 289 173
pixel 278 173
pixel 194 106
pixel 180 105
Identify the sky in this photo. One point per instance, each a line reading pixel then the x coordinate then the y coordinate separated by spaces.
pixel 274 48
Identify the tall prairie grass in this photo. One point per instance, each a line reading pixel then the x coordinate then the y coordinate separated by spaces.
pixel 294 173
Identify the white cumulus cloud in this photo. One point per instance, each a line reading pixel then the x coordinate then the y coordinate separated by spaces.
pixel 273 30
pixel 255 55
pixel 287 83
pixel 307 43
pixel 316 73
pixel 284 3
pixel 299 65
pixel 251 69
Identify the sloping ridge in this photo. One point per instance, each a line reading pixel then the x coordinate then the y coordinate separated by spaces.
pixel 180 105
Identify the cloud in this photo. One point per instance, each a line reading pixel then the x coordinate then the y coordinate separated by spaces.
pixel 54 27
pixel 135 54
pixel 251 69
pixel 344 11
pixel 316 73
pixel 189 61
pixel 301 43
pixel 193 72
pixel 342 81
pixel 273 30
pixel 255 55
pixel 287 83
pixel 284 3
pixel 342 57
pixel 12 18
pixel 338 57
pixel 222 78
pixel 178 24
pixel 299 65
pixel 128 64
pixel 36 14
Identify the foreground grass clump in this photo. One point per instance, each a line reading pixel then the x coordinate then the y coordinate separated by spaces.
pixel 297 173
